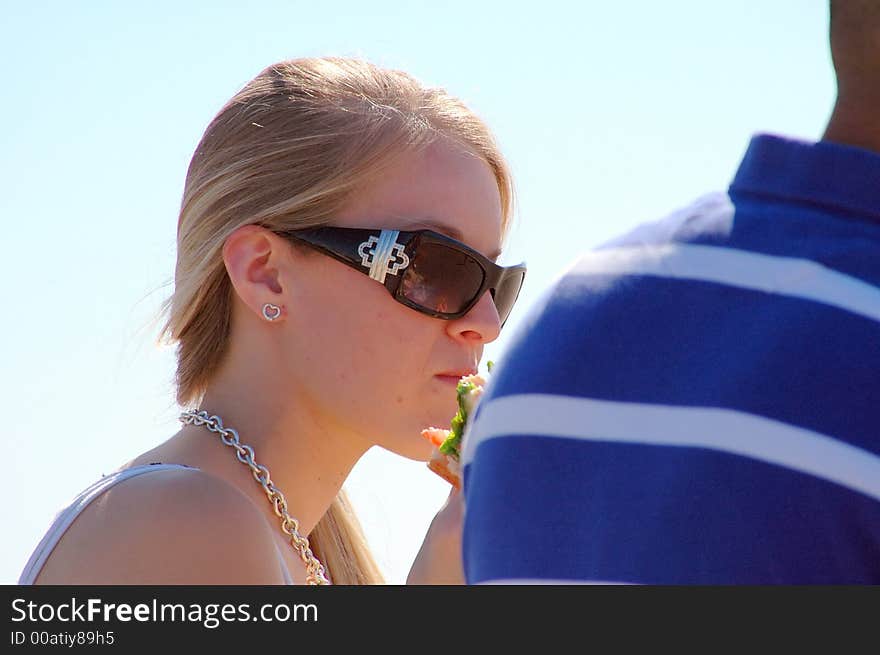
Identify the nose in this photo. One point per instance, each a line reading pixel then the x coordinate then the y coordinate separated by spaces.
pixel 481 324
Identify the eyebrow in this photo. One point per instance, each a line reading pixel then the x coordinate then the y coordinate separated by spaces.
pixel 448 231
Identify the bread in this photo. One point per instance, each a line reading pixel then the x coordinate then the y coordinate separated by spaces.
pixel 445 460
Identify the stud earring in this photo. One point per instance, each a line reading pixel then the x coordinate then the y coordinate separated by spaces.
pixel 271 312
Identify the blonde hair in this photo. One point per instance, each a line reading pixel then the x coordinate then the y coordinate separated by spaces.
pixel 286 152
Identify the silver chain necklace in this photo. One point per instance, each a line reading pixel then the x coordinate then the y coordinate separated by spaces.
pixel 245 454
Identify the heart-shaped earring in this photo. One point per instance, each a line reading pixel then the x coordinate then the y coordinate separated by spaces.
pixel 271 312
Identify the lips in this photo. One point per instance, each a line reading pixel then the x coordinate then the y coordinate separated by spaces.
pixel 452 377
pixel 457 374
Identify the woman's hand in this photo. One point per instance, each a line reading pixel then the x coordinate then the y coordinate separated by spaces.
pixel 439 558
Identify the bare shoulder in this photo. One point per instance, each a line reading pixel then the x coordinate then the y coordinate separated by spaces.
pixel 167 527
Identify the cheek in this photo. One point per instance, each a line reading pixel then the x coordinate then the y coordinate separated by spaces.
pixel 392 350
pixel 367 351
pixel 383 339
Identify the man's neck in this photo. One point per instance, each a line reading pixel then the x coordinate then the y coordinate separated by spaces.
pixel 853 125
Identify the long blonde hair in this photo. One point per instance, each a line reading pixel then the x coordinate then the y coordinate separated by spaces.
pixel 286 152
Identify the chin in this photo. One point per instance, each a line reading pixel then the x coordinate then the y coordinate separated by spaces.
pixel 442 418
pixel 411 446
pixel 405 438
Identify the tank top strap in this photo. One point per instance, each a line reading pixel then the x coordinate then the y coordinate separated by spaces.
pixel 65 517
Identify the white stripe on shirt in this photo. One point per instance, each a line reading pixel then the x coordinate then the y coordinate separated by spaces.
pixel 787 276
pixel 719 429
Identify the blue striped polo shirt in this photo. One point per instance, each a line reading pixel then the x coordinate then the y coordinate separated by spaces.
pixel 697 402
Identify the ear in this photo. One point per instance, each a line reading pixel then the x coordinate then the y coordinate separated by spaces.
pixel 254 258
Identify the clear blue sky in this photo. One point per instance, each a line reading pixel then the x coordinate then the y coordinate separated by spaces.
pixel 610 114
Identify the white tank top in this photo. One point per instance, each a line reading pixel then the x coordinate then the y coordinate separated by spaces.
pixel 66 516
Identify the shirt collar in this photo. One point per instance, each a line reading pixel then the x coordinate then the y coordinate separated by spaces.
pixel 823 173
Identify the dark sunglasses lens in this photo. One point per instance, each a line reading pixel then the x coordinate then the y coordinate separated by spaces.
pixel 441 279
pixel 506 293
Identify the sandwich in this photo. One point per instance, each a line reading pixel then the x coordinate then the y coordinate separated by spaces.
pixel 446 459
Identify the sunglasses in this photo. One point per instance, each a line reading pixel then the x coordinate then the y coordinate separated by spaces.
pixel 424 270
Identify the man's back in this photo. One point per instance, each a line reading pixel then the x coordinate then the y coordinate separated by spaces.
pixel 698 402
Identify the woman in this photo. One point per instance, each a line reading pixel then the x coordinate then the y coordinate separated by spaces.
pixel 318 184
